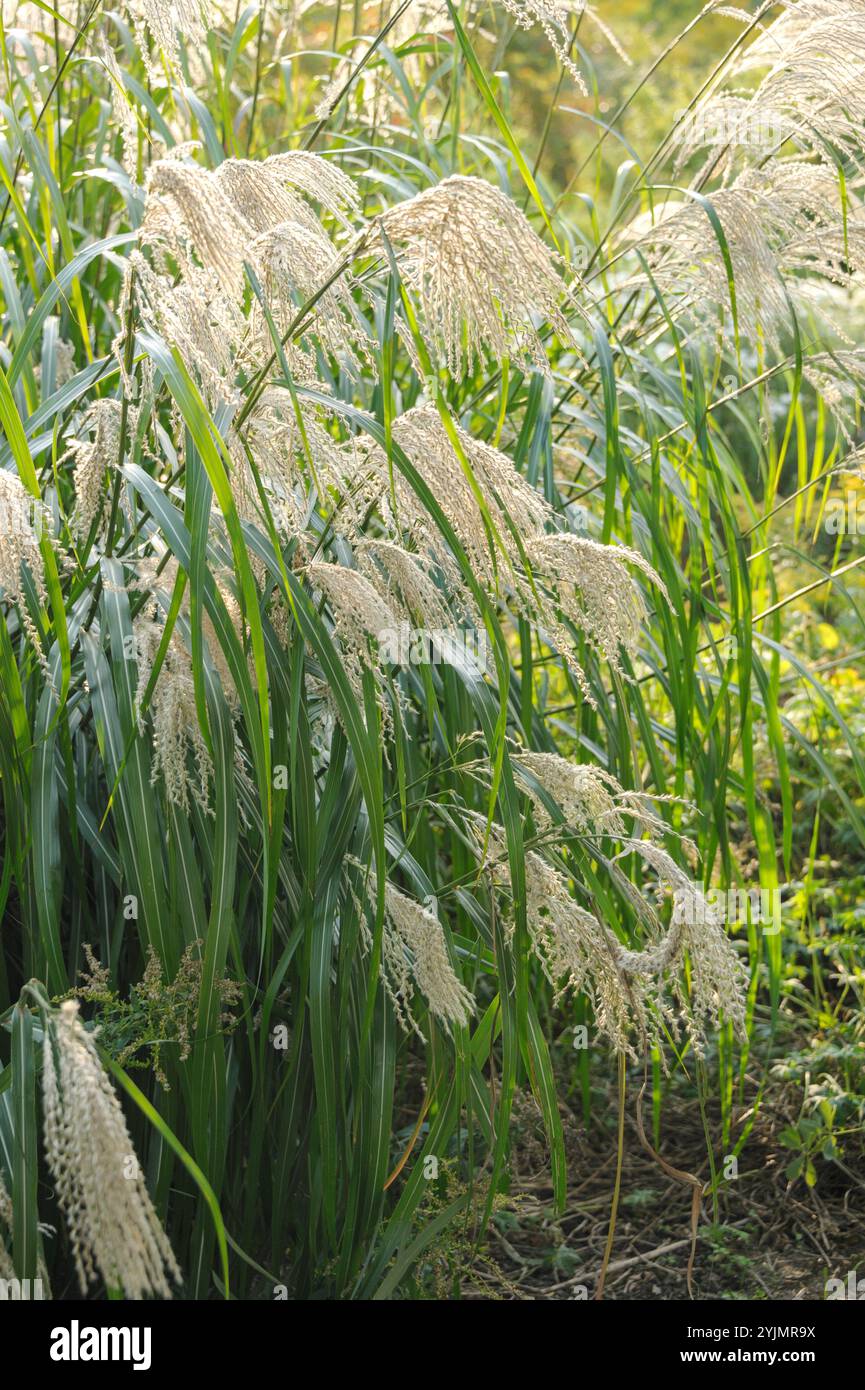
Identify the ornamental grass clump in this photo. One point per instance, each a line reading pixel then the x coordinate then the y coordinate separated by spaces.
pixel 298 408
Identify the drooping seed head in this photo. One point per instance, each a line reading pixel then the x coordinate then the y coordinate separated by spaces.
pixel 113 1227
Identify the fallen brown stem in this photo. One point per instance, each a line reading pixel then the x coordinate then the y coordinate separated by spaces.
pixel 679 1176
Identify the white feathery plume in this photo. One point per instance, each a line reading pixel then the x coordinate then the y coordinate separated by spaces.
pixel 411 927
pixel 719 979
pixel 265 192
pixel 303 465
pixel 839 378
pixel 113 1227
pixel 784 225
pixel 121 108
pixel 579 954
pixel 591 800
pixel 23 519
pixel 246 211
pixel 589 587
pixel 177 737
pixel 626 987
pixel 812 92
pixel 553 16
pixel 820 237
pixel 295 259
pixel 576 951
pixel 299 456
pixel 196 317
pixel 359 615
pixel 549 578
pixel 414 954
pixel 258 195
pixel 176 731
pixel 165 21
pixel 517 509
pixel 406 583
pixel 482 275
pixel 588 797
pixel 815 83
pixel 320 180
pixel 186 208
pixel 94 458
pixel 268 226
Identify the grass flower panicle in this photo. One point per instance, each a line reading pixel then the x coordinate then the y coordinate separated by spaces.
pixel 787 233
pixel 165 21
pixel 588 587
pixel 94 459
pixel 414 955
pixel 187 210
pixel 113 1226
pixel 359 614
pixel 482 275
pixel 23 521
